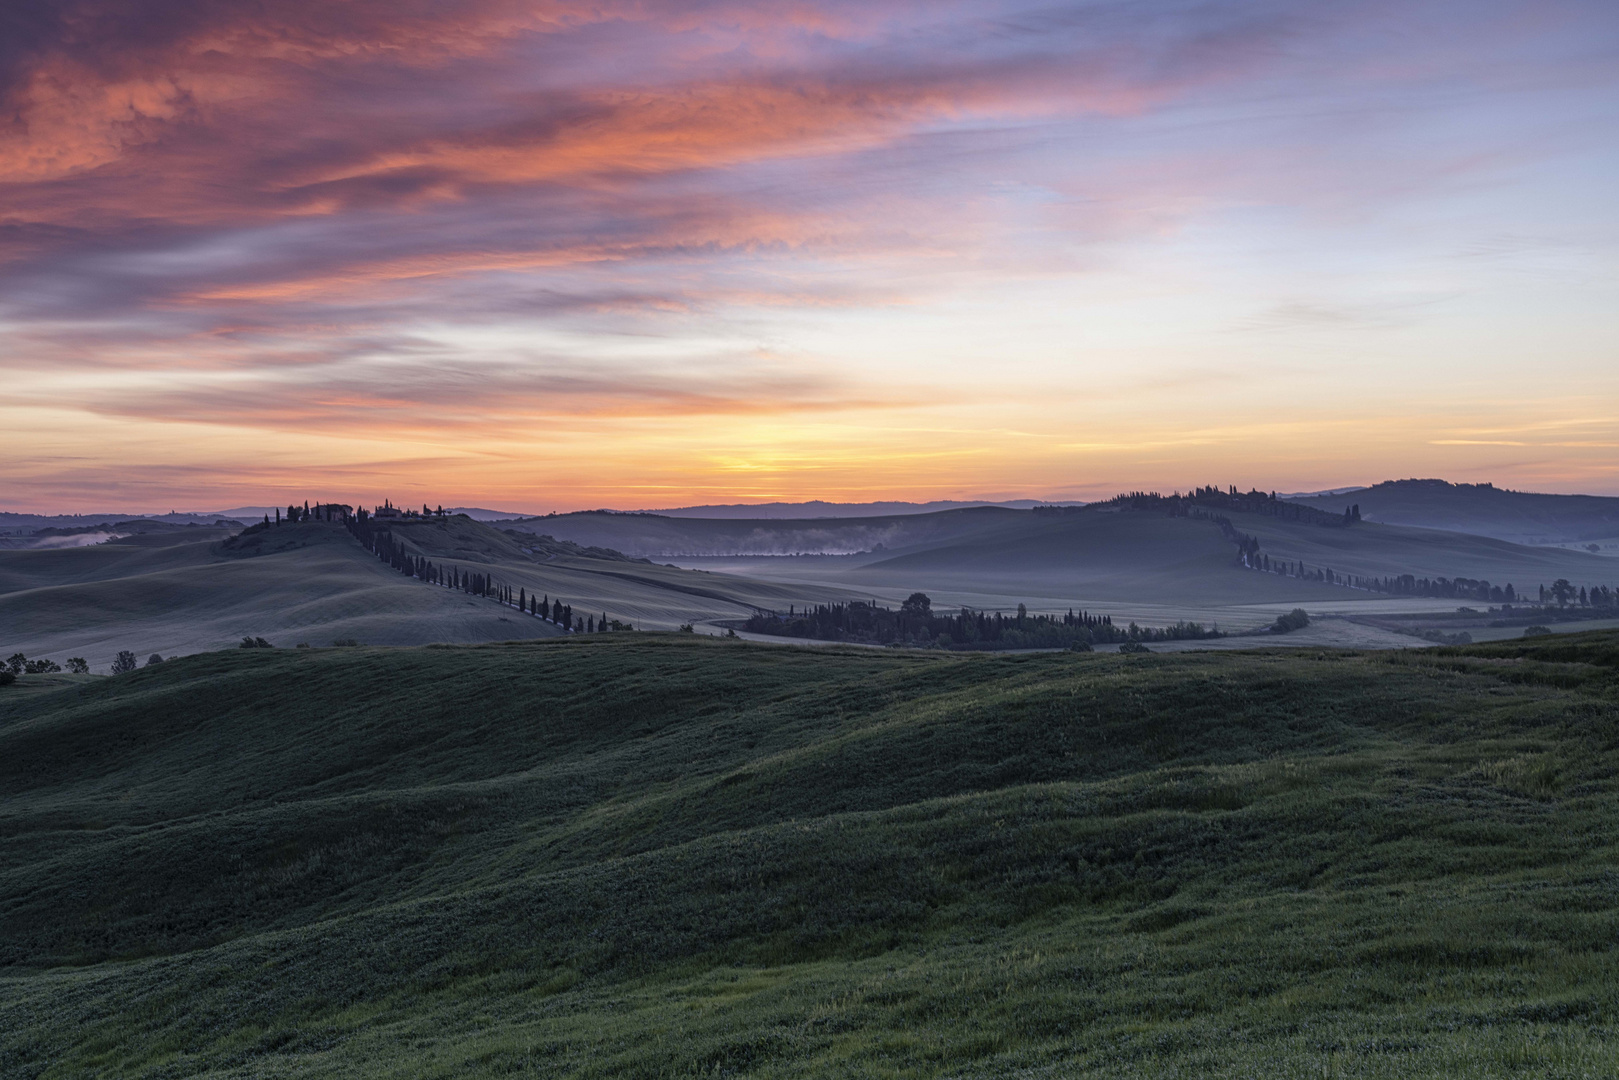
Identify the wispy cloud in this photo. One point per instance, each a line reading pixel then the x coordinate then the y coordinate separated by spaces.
pixel 470 217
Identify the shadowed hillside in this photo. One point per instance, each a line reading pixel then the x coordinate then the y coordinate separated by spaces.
pixel 294 583
pixel 601 580
pixel 187 590
pixel 1123 552
pixel 644 855
pixel 656 536
pixel 1523 517
pixel 1148 558
pixel 1373 550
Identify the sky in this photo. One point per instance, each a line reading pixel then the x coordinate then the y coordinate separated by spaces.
pixel 547 254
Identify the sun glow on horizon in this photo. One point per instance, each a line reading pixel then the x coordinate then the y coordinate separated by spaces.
pixel 642 255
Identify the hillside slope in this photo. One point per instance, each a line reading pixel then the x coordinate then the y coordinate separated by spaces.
pixel 1100 555
pixel 190 590
pixel 1523 517
pixel 599 580
pixel 654 536
pixel 309 582
pixel 1372 550
pixel 1117 557
pixel 634 855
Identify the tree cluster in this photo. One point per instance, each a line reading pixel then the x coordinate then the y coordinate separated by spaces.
pixel 1398 585
pixel 19 664
pixel 1564 594
pixel 1297 619
pixel 1214 498
pixel 915 623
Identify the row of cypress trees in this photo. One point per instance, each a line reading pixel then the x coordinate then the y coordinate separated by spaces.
pixel 380 541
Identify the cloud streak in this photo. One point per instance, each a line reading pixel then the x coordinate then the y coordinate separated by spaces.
pixel 465 217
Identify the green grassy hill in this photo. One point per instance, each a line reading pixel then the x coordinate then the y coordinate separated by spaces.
pixel 637 856
pixel 1523 517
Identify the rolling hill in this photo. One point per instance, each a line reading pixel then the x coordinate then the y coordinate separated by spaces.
pixel 601 580
pixel 1135 562
pixel 643 855
pixel 183 590
pixel 1522 517
pixel 656 536
pixel 1374 550
pixel 170 593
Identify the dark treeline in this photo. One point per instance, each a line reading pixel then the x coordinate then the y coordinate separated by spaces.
pixel 1562 593
pixel 915 623
pixel 378 538
pixel 1214 498
pixel 1399 585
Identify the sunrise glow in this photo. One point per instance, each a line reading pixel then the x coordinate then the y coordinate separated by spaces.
pixel 558 255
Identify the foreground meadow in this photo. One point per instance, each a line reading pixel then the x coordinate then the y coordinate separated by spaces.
pixel 648 855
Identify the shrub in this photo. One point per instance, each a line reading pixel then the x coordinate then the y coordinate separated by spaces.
pixel 1080 646
pixel 345 643
pixel 6 677
pixel 254 643
pixel 1133 647
pixel 78 665
pixel 123 662
pixel 1297 619
pixel 153 659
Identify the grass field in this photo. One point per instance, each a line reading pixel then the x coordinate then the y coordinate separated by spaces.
pixel 649 855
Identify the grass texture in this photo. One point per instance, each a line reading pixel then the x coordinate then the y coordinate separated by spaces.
pixel 648 855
